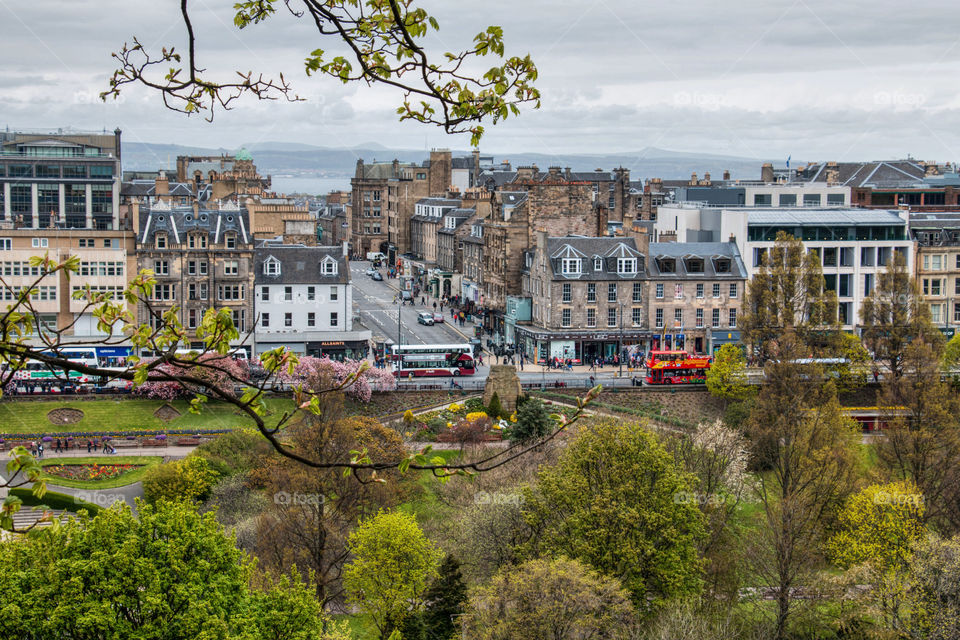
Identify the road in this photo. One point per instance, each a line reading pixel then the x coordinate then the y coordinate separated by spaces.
pixel 373 303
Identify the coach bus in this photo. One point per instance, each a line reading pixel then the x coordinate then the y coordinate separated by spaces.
pixel 429 350
pixel 676 367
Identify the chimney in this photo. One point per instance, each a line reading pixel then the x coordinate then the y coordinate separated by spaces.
pixel 566 173
pixel 346 250
pixel 161 187
pixel 706 179
pixel 693 179
pixel 135 217
pixel 726 174
pixel 766 173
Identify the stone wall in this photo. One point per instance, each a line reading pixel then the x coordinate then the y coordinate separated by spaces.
pixel 504 382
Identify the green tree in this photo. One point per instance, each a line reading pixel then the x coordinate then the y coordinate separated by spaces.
pixel 495 408
pixel 931 585
pixel 894 315
pixel 807 451
pixel 727 376
pixel 617 501
pixel 559 599
pixel 189 479
pixel 393 564
pixel 442 601
pixel 878 525
pixel 166 574
pixel 533 421
pixel 788 294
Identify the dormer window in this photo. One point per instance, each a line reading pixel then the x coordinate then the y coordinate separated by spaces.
pixel 626 265
pixel 694 265
pixel 570 266
pixel 722 265
pixel 328 267
pixel 161 241
pixel 667 265
pixel 197 241
pixel 271 267
pixel 598 264
pixel 231 240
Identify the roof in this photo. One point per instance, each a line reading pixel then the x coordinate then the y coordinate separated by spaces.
pixel 587 249
pixel 876 173
pixel 813 216
pixel 299 264
pixel 178 221
pixel 706 251
pixel 440 202
pixel 937 220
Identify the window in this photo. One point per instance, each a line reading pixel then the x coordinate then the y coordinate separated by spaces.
pixel 612 317
pixel 626 265
pixel 567 296
pixel 678 317
pixel 334 294
pixel 678 291
pixel 165 292
pixel 591 317
pixel 230 291
pixel 843 285
pixel 612 292
pixel 271 267
pixel 788 199
pixel 636 316
pixel 958 261
pixel 659 318
pixel 329 267
pixel 87 243
pixel 231 267
pixel 762 199
pixel 733 318
pixel 715 319
pixel 239 319
pixel 598 264
pixel 759 254
pixel 203 290
pixel 637 291
pixel 936 262
pixel 197 241
pixel 192 318
pixel 265 320
pixel 40 243
pixel 288 294
pixel 6 244
pixel 716 289
pixel 935 313
pixel 591 292
pixel 659 290
pixel 192 268
pixel 829 256
pixel 334 319
pixel 231 240
pixel 288 319
pixel 811 199
pixel 265 294
pixel 311 319
pixel 835 199
pixel 161 267
pixel 565 318
pixel 700 290
pixel 868 284
pixel 935 289
pixel 846 256
pixel 161 241
pixel 956 311
pixel 699 318
pixel 570 266
pixel 733 289
pixel 191 291
pixel 203 267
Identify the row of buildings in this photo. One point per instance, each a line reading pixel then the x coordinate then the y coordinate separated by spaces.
pixel 212 235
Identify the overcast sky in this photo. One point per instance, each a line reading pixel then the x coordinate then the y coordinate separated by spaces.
pixel 818 80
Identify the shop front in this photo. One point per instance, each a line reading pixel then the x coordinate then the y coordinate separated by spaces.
pixel 582 347
pixel 336 345
pixel 720 338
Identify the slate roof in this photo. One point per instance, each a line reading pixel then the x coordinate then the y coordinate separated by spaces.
pixel 178 221
pixel 877 173
pixel 709 252
pixel 608 249
pixel 147 188
pixel 299 264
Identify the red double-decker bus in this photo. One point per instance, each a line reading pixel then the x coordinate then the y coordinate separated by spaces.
pixel 676 367
pixel 433 364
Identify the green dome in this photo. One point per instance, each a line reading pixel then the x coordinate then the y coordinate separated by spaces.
pixel 243 154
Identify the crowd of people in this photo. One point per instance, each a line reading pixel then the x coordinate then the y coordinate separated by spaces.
pixel 61 445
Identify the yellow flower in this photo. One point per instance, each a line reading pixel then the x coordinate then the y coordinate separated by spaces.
pixel 513 417
pixel 407 433
pixel 449 424
pixel 476 415
pixel 454 408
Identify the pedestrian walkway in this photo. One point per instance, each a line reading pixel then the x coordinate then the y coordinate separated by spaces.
pixel 166 452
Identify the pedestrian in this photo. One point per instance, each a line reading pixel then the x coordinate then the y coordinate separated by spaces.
pixel 58 448
pixel 480 359
pixel 89 446
pixel 423 301
pixel 40 449
pixel 876 375
pixel 434 305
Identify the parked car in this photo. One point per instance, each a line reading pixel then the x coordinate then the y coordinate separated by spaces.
pixel 437 317
pixel 371 271
pixel 425 317
pixel 377 277
pixel 406 296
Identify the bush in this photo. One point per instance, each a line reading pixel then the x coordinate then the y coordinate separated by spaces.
pixel 189 479
pixel 54 500
pixel 533 422
pixel 495 410
pixel 234 452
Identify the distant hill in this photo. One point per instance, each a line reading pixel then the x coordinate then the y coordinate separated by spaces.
pixel 309 160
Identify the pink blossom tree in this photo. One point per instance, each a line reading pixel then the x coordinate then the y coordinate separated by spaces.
pixel 323 373
pixel 221 372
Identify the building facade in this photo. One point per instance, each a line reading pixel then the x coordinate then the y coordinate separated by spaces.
pixel 937 238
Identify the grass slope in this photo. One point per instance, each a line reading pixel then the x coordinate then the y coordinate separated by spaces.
pixel 30 416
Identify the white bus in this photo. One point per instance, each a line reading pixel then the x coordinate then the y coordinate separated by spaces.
pixel 429 349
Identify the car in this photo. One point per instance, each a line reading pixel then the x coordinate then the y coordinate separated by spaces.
pixel 377 277
pixel 371 271
pixel 406 296
pixel 437 317
pixel 425 317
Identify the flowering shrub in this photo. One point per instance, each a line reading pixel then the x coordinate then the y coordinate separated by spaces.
pixel 476 415
pixel 470 429
pixel 227 371
pixel 454 408
pixel 319 373
pixel 90 471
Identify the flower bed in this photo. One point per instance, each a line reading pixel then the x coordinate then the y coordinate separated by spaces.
pixel 90 471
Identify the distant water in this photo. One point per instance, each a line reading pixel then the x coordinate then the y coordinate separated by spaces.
pixel 313 186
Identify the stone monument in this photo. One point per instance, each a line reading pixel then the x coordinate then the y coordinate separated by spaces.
pixel 504 382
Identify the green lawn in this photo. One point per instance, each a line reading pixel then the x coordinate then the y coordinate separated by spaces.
pixel 30 416
pixel 110 483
